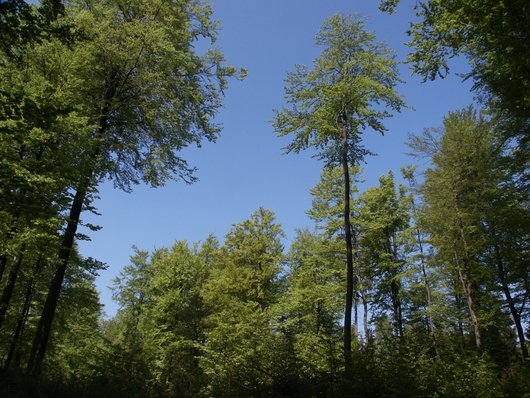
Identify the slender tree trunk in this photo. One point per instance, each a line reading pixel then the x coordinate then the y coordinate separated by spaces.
pixel 365 316
pixel 465 274
pixel 511 304
pixel 356 294
pixel 44 327
pixel 7 293
pixel 23 315
pixel 466 284
pixel 349 254
pixel 393 272
pixel 396 309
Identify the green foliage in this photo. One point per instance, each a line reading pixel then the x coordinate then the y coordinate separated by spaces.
pixel 313 307
pixel 493 35
pixel 327 206
pixel 354 76
pixel 112 89
pixel 244 286
pixel 386 243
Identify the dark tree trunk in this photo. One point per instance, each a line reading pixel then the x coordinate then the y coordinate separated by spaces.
pixel 23 315
pixel 7 293
pixel 349 254
pixel 44 327
pixel 511 304
pixel 3 263
pixel 396 309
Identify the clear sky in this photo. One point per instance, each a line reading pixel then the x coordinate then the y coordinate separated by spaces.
pixel 245 168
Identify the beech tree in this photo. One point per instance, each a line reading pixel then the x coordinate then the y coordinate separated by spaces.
pixel 313 309
pixel 240 350
pixel 146 94
pixel 349 89
pixel 467 181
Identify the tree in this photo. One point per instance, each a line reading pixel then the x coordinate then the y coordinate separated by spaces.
pixel 173 322
pixel 420 257
pixel 386 242
pixel 493 35
pixel 467 193
pixel 241 351
pixel 312 306
pixel 42 132
pixel 349 89
pixel 327 213
pixel 146 95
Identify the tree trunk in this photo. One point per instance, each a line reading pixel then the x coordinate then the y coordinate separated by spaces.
pixel 44 327
pixel 365 316
pixel 396 309
pixel 511 304
pixel 349 254
pixel 3 263
pixel 356 294
pixel 467 284
pixel 393 272
pixel 42 334
pixel 23 316
pixel 7 293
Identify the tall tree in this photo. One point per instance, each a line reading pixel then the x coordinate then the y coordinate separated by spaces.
pixel 348 90
pixel 467 181
pixel 327 212
pixel 147 94
pixel 42 132
pixel 174 319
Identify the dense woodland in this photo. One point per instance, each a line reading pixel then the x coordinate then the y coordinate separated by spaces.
pixel 416 287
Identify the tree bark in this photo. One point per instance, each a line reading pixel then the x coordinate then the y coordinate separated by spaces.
pixel 7 293
pixel 467 284
pixel 365 316
pixel 44 327
pixel 468 291
pixel 349 254
pixel 356 294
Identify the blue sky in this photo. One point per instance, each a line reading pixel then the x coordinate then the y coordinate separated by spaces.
pixel 245 168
